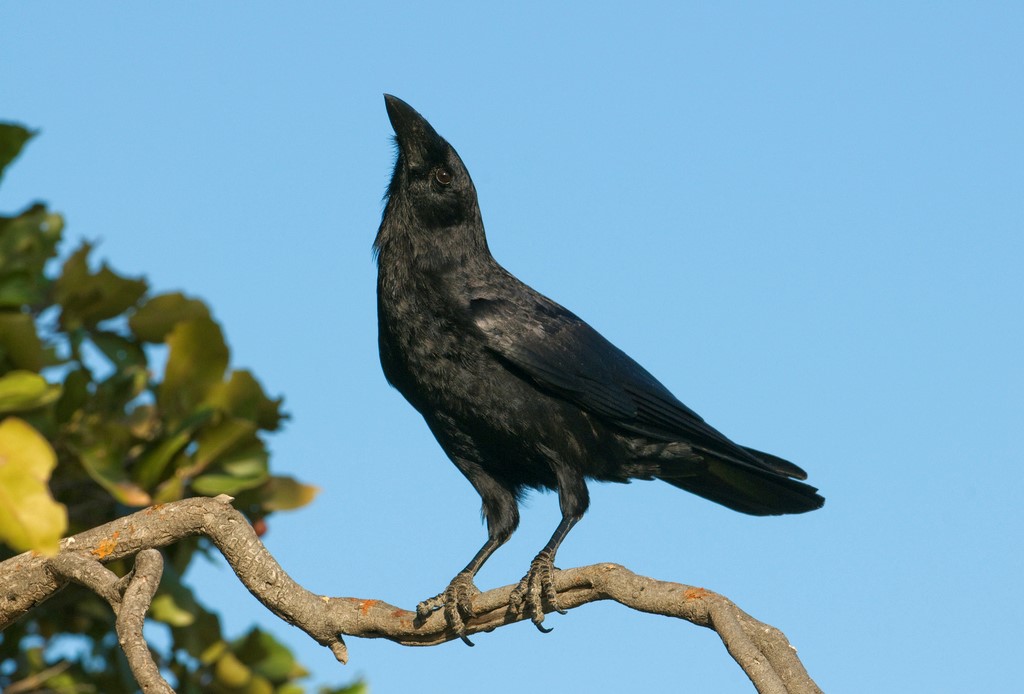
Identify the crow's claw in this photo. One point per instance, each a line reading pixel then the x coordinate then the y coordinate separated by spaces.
pixel 456 603
pixel 535 590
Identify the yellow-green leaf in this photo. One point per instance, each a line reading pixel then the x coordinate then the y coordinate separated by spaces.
pixel 27 242
pixel 158 316
pixel 164 609
pixel 267 656
pixel 213 484
pixel 86 298
pixel 236 472
pixel 20 342
pixel 243 396
pixel 213 652
pixel 29 517
pixel 100 448
pixel 171 489
pixel 215 441
pixel 285 494
pixel 110 474
pixel 354 688
pixel 201 639
pixel 198 359
pixel 152 466
pixel 24 390
pixel 233 675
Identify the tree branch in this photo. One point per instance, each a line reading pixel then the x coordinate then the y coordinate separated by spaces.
pixel 130 598
pixel 28 579
pixel 138 595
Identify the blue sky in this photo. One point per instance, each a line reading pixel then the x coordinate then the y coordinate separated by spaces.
pixel 805 220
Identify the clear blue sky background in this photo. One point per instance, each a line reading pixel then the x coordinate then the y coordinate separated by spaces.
pixel 807 221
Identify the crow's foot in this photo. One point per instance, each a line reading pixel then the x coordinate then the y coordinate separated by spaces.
pixel 455 601
pixel 536 589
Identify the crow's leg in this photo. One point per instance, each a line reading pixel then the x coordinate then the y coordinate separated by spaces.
pixel 455 599
pixel 502 513
pixel 537 587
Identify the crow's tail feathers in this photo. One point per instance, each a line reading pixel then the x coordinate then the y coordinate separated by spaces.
pixel 779 465
pixel 743 486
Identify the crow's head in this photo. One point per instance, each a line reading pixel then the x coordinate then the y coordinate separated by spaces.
pixel 430 188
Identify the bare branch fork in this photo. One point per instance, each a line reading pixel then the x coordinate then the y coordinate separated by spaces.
pixel 28 579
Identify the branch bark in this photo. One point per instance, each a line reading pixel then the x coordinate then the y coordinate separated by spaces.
pixel 27 580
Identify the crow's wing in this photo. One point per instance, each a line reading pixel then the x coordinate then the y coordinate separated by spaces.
pixel 563 355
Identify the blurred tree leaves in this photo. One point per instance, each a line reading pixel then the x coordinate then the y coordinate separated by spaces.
pixel 86 298
pixel 155 318
pixel 12 138
pixel 89 430
pixel 24 390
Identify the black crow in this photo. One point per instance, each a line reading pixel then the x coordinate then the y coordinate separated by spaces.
pixel 519 391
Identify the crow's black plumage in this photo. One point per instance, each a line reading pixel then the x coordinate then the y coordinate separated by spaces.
pixel 518 390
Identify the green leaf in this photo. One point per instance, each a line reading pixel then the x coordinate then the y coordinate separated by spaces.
pixel 171 489
pixel 158 316
pixel 197 361
pixel 29 517
pixel 285 494
pixel 27 241
pixel 24 390
pixel 354 688
pixel 216 483
pixel 266 656
pixel 104 461
pixel 242 470
pixel 152 466
pixel 20 345
pixel 86 298
pixel 12 138
pixel 201 638
pixel 122 387
pixel 213 484
pixel 74 396
pixel 214 652
pixel 232 675
pixel 243 396
pixel 165 609
pixel 215 441
pixel 121 351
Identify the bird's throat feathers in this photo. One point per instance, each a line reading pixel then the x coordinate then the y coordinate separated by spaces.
pixel 405 245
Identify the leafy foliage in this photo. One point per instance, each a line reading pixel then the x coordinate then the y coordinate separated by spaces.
pixel 89 430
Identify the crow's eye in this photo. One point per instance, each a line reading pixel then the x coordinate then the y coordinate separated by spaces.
pixel 443 176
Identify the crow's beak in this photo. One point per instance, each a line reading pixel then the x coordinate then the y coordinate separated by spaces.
pixel 414 134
